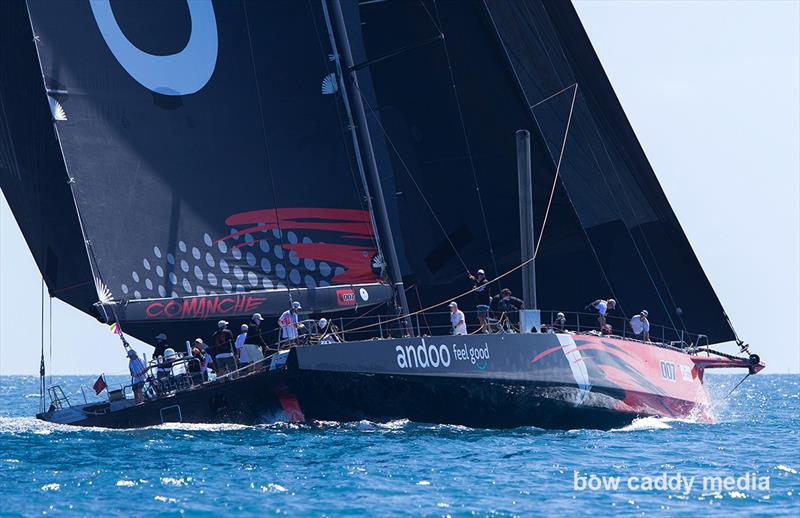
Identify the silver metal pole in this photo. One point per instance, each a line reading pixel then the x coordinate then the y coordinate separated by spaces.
pixel 526 233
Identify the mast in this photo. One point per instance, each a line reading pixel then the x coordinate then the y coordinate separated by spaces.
pixel 373 176
pixel 526 218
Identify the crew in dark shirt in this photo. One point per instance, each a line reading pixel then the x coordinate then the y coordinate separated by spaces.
pixel 255 334
pixel 483 296
pixel 161 345
pixel 222 348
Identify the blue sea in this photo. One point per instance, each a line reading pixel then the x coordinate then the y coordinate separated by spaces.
pixel 746 464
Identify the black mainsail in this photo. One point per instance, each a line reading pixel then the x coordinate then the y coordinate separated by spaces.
pixel 208 156
pixel 212 169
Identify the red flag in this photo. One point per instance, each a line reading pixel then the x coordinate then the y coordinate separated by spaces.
pixel 99 385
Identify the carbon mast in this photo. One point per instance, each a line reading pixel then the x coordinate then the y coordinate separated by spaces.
pixel 338 31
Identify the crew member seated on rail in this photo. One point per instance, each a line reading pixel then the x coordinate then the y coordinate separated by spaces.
pixel 641 326
pixel 457 320
pixel 559 324
pixel 327 332
pixel 138 375
pixel 195 366
pixel 602 307
pixel 289 322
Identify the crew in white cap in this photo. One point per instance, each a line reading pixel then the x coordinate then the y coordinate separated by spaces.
pixel 457 320
pixel 290 323
pixel 640 325
pixel 255 334
pixel 222 348
pixel 241 352
pixel 602 307
pixel 559 324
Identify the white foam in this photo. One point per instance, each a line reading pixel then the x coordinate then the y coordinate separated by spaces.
pixel 645 424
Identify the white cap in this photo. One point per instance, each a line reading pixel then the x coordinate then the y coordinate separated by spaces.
pixel 169 352
pixel 257 316
pixel 481 272
pixel 296 305
pixel 612 302
pixel 198 340
pixel 644 313
pixel 454 304
pixel 560 315
pixel 161 336
pixel 323 322
pixel 222 323
pixel 244 327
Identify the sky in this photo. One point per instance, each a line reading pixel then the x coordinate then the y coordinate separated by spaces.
pixel 712 89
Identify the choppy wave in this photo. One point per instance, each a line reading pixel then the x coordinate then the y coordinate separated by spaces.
pixel 399 467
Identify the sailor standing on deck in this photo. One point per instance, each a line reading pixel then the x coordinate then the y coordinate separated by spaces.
pixel 457 320
pixel 138 375
pixel 290 323
pixel 603 307
pixel 483 298
pixel 222 349
pixel 255 334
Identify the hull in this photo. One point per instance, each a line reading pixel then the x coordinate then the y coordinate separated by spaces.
pixel 556 381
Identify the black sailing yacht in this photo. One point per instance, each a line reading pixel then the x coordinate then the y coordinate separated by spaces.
pixel 174 163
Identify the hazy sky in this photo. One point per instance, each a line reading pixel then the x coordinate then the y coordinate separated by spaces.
pixel 712 89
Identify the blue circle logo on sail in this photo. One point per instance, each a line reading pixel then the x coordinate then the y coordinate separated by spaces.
pixel 182 73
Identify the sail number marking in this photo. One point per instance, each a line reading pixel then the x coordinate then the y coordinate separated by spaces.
pixel 667 370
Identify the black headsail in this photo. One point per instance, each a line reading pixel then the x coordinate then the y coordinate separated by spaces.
pixel 209 158
pixel 453 81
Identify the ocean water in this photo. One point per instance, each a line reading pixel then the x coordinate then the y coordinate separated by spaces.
pixel 401 467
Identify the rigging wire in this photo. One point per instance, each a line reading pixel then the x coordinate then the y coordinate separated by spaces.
pixel 627 229
pixel 547 148
pixel 413 180
pixel 50 333
pixel 558 166
pixel 347 128
pixel 467 145
pixel 266 147
pixel 41 361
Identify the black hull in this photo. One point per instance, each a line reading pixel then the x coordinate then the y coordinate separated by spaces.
pixel 474 403
pixel 491 381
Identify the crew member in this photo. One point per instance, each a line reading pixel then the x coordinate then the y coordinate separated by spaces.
pixel 483 296
pixel 255 334
pixel 559 324
pixel 327 332
pixel 457 320
pixel 138 375
pixel 290 323
pixel 195 366
pixel 241 352
pixel 602 307
pixel 641 326
pixel 161 345
pixel 207 360
pixel 507 305
pixel 222 349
